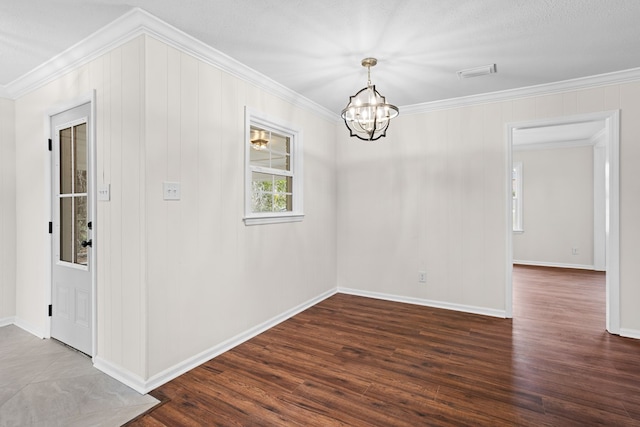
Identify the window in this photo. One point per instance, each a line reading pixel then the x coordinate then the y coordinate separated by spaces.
pixel 516 191
pixel 273 168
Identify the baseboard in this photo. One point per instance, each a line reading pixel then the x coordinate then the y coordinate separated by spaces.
pixel 6 321
pixel 425 302
pixel 29 328
pixel 630 333
pixel 121 374
pixel 141 386
pixel 554 264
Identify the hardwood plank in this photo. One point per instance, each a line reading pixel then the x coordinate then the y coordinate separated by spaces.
pixel 365 362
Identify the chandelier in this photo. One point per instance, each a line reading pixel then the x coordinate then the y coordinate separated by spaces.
pixel 367 115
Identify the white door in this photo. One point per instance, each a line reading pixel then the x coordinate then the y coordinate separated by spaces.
pixel 71 288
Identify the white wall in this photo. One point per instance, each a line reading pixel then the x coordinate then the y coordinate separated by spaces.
pixel 174 278
pixel 209 276
pixel 7 212
pixel 557 207
pixel 428 197
pixel 432 196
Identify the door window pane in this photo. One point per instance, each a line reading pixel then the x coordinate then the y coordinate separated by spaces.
pixel 66 160
pixel 80 231
pixel 66 229
pixel 80 158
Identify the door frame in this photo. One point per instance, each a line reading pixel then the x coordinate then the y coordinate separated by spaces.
pixel 89 97
pixel 612 206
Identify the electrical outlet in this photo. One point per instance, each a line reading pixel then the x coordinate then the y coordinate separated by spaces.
pixel 575 251
pixel 422 276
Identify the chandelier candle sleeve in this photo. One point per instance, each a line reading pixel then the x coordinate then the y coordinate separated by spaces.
pixel 367 115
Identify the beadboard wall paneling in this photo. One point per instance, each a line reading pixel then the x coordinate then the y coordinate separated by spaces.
pixel 455 231
pixel 7 210
pixel 628 96
pixel 117 78
pixel 210 277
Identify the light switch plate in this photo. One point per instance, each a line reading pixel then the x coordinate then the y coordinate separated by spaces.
pixel 171 190
pixel 104 192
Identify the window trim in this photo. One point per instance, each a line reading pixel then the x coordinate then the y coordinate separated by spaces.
pixel 260 119
pixel 518 226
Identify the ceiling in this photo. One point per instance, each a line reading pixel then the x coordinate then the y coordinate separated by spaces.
pixel 315 47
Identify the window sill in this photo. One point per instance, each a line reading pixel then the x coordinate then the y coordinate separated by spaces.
pixel 273 219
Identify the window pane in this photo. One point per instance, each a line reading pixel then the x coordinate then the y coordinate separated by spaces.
pixel 80 158
pixel 269 149
pixel 81 232
pixel 282 202
pixel 262 192
pixel 65 161
pixel 66 229
pixel 280 152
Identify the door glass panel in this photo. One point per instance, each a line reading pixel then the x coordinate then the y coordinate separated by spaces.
pixel 73 194
pixel 65 161
pixel 66 229
pixel 80 231
pixel 80 158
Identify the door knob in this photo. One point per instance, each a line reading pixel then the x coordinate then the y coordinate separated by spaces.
pixel 86 243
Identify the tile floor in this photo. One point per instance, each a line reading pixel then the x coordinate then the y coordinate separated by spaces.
pixel 44 383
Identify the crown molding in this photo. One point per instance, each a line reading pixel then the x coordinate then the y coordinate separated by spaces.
pixel 616 77
pixel 140 22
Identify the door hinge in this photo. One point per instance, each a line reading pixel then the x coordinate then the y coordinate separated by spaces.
pixel 50 310
pixel 50 144
pixel 50 227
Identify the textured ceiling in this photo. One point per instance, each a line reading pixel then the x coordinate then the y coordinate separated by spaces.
pixel 314 47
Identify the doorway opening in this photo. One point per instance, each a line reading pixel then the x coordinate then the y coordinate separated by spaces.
pixel 604 128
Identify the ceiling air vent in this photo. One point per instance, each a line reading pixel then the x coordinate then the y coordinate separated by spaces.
pixel 477 71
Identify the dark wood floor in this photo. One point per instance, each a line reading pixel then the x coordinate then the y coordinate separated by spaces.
pixel 363 362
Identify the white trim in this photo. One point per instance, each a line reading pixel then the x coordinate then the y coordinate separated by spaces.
pixel 89 97
pixel 272 123
pixel 424 302
pixel 121 374
pixel 273 219
pixel 508 291
pixel 630 333
pixel 615 77
pixel 554 264
pixel 612 189
pixel 6 321
pixel 519 184
pixel 140 22
pixel 553 145
pixel 141 386
pixel 22 324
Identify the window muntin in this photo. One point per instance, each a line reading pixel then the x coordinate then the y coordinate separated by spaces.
pixel 273 190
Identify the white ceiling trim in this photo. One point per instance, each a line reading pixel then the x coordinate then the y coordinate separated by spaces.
pixel 133 24
pixel 616 77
